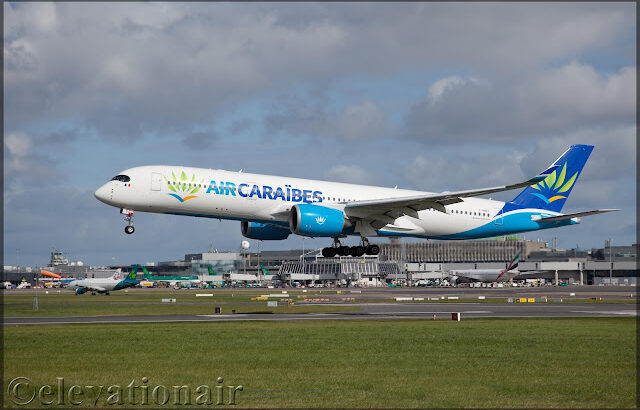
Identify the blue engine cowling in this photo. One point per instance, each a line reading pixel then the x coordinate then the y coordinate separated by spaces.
pixel 316 220
pixel 255 230
pixel 80 291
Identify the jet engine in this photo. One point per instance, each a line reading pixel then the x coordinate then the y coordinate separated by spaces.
pixel 316 220
pixel 80 291
pixel 256 230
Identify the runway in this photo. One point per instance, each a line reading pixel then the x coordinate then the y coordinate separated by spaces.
pixel 605 292
pixel 370 311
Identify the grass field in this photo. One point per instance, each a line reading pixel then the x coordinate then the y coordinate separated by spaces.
pixel 586 362
pixel 146 303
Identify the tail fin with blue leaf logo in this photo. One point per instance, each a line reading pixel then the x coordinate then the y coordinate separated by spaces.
pixel 552 192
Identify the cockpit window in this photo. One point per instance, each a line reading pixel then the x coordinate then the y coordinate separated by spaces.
pixel 121 178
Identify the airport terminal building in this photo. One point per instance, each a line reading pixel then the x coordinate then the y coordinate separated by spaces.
pixel 411 262
pixel 398 262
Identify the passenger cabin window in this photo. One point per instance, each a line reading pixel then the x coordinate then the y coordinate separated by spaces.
pixel 121 178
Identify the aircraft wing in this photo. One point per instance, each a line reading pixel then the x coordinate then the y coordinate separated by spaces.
pixel 95 288
pixel 396 207
pixel 573 215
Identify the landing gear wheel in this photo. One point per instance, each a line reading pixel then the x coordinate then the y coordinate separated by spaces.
pixel 328 252
pixel 359 251
pixel 129 229
pixel 373 250
pixel 336 250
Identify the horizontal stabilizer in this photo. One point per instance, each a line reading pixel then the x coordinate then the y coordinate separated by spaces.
pixel 574 215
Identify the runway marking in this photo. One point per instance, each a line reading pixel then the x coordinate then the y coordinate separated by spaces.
pixel 612 312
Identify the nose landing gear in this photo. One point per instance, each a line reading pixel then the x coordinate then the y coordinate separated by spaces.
pixel 129 229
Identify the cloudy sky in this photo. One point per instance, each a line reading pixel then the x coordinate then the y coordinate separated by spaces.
pixel 430 96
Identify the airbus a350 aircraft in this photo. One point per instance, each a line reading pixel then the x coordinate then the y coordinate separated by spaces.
pixel 272 207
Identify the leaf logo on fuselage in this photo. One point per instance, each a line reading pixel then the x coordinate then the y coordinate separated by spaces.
pixel 182 188
pixel 551 186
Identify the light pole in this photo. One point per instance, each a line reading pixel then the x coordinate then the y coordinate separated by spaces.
pixel 259 276
pixel 244 245
pixel 610 264
pixel 303 238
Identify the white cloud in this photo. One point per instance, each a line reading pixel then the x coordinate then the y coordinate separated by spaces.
pixel 18 144
pixel 22 164
pixel 558 100
pixel 437 89
pixel 578 92
pixel 151 66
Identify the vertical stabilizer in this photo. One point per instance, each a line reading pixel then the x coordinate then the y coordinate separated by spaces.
pixel 133 274
pixel 552 192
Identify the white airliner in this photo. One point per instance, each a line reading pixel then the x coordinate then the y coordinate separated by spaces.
pixel 273 207
pixel 486 275
pixel 104 285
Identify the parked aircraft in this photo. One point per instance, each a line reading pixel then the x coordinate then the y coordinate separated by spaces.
pixel 264 270
pixel 272 207
pixel 104 285
pixel 171 280
pixel 486 275
pixel 56 279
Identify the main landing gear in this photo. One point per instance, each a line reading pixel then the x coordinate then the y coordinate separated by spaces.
pixel 338 250
pixel 129 229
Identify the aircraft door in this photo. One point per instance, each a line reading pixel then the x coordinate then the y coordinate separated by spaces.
pixel 156 181
pixel 499 218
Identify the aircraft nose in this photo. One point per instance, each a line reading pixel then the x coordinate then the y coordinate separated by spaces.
pixel 102 193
